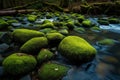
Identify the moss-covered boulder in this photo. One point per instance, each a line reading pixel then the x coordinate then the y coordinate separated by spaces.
pixel 87 23
pixel 70 25
pixel 79 30
pixel 23 35
pixel 95 28
pixel 3 24
pixel 12 21
pixel 47 25
pixel 34 45
pixel 81 18
pixel 46 30
pixel 106 42
pixel 54 38
pixel 44 55
pixel 64 31
pixel 19 64
pixel 76 49
pixel 32 18
pixel 114 21
pixel 103 22
pixel 52 71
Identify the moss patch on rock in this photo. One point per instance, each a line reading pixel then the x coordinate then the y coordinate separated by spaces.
pixel 23 35
pixel 34 45
pixel 44 55
pixel 87 23
pixel 76 49
pixel 52 71
pixel 106 42
pixel 19 64
pixel 54 38
pixel 32 18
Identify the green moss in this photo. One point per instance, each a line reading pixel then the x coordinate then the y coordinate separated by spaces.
pixel 12 21
pixel 87 23
pixel 103 22
pixel 19 64
pixel 46 21
pixel 79 30
pixel 106 42
pixel 95 28
pixel 47 25
pixel 32 18
pixel 54 38
pixel 46 30
pixel 58 24
pixel 48 16
pixel 113 21
pixel 77 23
pixel 64 31
pixel 52 71
pixel 81 18
pixel 34 45
pixel 23 35
pixel 76 49
pixel 70 25
pixel 44 55
pixel 3 24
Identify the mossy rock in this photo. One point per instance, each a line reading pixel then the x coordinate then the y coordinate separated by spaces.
pixel 47 25
pixel 46 21
pixel 87 23
pixel 12 21
pixel 23 35
pixel 79 30
pixel 114 21
pixel 52 71
pixel 103 22
pixel 44 55
pixel 95 28
pixel 32 18
pixel 58 24
pixel 46 30
pixel 76 49
pixel 70 25
pixel 80 18
pixel 3 24
pixel 106 42
pixel 77 23
pixel 34 45
pixel 48 16
pixel 19 64
pixel 64 31
pixel 54 38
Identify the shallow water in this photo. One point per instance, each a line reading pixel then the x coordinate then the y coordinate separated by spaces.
pixel 105 66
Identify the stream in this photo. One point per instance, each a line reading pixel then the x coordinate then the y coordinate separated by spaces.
pixel 106 64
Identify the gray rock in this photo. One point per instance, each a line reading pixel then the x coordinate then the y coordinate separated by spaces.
pixel 3 47
pixel 26 78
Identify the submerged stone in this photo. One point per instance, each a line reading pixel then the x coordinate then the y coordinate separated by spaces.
pixel 76 49
pixel 34 45
pixel 52 71
pixel 106 42
pixel 19 64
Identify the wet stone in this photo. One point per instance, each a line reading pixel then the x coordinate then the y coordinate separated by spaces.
pixel 5 37
pixel 3 47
